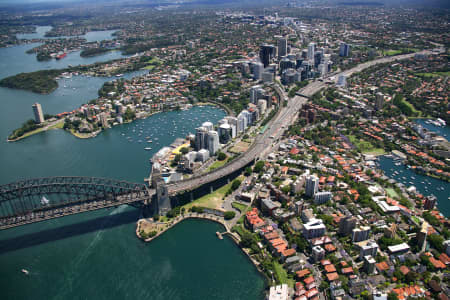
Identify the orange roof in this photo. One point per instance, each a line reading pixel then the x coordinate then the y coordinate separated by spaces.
pixel 382 266
pixel 308 280
pixel 347 270
pixel 444 258
pixel 437 263
pixel 404 270
pixel 330 268
pixel 332 276
pixel 288 252
pixel 303 273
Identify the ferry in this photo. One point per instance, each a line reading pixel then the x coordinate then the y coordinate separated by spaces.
pixel 44 201
pixel 148 148
pixel 61 56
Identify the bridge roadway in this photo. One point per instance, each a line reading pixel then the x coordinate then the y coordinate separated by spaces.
pixel 284 117
pixel 101 193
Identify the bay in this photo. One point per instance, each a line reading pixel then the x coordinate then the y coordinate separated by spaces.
pixel 96 255
pixel 424 184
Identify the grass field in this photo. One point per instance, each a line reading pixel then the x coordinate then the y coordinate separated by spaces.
pixel 364 146
pixel 213 200
pixel 281 274
pixel 434 74
pixel 240 147
pixel 239 206
pixel 58 125
pixel 217 164
pixel 391 193
pixel 392 52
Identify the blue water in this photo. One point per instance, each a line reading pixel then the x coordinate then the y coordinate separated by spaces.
pixel 441 130
pixel 91 36
pixel 424 184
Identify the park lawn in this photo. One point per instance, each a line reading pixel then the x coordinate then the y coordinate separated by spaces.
pixel 413 109
pixel 240 147
pixel 364 146
pixel 58 125
pixel 391 193
pixel 375 151
pixel 216 164
pixel 281 275
pixel 434 74
pixel 150 67
pixel 213 200
pixel 392 52
pixel 239 206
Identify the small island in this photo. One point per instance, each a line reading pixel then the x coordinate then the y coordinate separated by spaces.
pixel 41 82
pixel 94 51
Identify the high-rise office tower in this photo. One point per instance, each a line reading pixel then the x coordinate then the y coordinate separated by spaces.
pixel 267 53
pixel 282 46
pixel 344 50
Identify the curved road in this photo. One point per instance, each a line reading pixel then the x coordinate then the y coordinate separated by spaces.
pixel 285 117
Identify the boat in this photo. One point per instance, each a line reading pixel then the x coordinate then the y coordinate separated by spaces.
pixel 25 271
pixel 148 148
pixel 119 75
pixel 61 56
pixel 44 201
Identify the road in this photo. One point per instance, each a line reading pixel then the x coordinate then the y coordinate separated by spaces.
pixel 263 144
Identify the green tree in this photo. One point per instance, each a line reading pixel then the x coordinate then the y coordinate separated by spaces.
pixel 236 183
pixel 184 150
pixel 258 166
pixel 228 215
pixel 221 156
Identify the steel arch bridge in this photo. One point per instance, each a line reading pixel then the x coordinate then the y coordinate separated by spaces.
pixel 34 200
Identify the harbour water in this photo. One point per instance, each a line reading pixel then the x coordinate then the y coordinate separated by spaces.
pixel 96 255
pixel 424 184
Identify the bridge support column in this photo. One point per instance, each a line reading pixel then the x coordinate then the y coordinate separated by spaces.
pixel 228 180
pixel 211 189
pixel 191 195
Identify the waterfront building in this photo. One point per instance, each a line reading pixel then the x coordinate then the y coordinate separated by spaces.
pixel 346 225
pixel 208 126
pixel 279 292
pixel 360 234
pixel 379 101
pixel 224 133
pixel 202 155
pixel 242 122
pixel 233 122
pixel 104 120
pixel 200 138
pixel 282 46
pixel 322 197
pixel 213 142
pixel 344 49
pixel 267 53
pixel 430 202
pixel 38 114
pixel 371 248
pixel 313 229
pixel 312 185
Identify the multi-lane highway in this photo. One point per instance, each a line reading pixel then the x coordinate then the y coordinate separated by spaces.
pixel 286 116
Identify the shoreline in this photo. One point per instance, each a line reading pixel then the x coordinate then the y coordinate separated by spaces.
pixel 95 133
pixel 201 216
